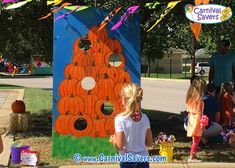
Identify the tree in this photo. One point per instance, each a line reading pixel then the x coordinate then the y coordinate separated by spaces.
pixel 22 34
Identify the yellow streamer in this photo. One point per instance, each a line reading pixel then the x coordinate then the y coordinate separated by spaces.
pixel 170 6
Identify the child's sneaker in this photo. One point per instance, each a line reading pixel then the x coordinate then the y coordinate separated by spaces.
pixel 194 159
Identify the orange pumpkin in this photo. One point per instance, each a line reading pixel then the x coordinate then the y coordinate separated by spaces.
pixel 122 59
pixel 114 45
pixel 89 103
pixel 109 126
pixel 124 76
pixel 111 71
pixel 99 57
pixel 106 88
pixel 93 71
pixel 97 36
pixel 62 124
pixel 75 71
pixel 100 108
pixel 67 87
pixel 99 128
pixel 80 125
pixel 84 58
pixel 73 104
pixel 18 106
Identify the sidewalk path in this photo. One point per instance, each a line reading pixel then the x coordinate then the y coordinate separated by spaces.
pixel 7 97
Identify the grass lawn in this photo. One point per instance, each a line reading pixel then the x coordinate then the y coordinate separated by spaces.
pixel 39 103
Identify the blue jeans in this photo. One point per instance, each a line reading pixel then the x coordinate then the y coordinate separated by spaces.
pixel 134 165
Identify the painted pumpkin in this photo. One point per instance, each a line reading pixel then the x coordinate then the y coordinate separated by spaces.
pixel 75 71
pixel 67 87
pixel 18 106
pixel 106 85
pixel 111 71
pixel 97 36
pixel 109 126
pixel 73 104
pixel 99 57
pixel 84 58
pixel 89 103
pixel 93 71
pixel 124 76
pixel 114 45
pixel 62 124
pixel 99 128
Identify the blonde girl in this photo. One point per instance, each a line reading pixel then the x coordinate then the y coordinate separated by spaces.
pixel 226 104
pixel 195 106
pixel 132 128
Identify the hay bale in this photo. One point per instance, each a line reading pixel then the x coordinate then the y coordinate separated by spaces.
pixel 20 121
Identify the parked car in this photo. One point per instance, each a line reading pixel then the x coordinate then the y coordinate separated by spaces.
pixel 202 68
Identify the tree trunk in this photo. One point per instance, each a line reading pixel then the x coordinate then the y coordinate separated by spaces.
pixel 149 68
pixel 193 63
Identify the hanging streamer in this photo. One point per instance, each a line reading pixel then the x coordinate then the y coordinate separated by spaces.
pixel 17 5
pixel 66 14
pixel 54 2
pixel 152 5
pixel 170 6
pixel 57 2
pixel 124 17
pixel 50 2
pixel 55 10
pixel 196 28
pixel 74 7
pixel 198 2
pixel 10 1
pixel 108 18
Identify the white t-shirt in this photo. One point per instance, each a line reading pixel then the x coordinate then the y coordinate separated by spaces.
pixel 135 134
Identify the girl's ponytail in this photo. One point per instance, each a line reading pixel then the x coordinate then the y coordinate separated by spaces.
pixel 132 94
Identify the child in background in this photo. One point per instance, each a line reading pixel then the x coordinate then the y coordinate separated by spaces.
pixel 226 104
pixel 132 128
pixel 195 106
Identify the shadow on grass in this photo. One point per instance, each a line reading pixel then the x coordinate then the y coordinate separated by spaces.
pixel 160 121
pixel 167 122
pixel 6 86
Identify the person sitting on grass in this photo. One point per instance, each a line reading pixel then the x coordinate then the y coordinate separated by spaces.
pixel 226 105
pixel 212 111
pixel 132 128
